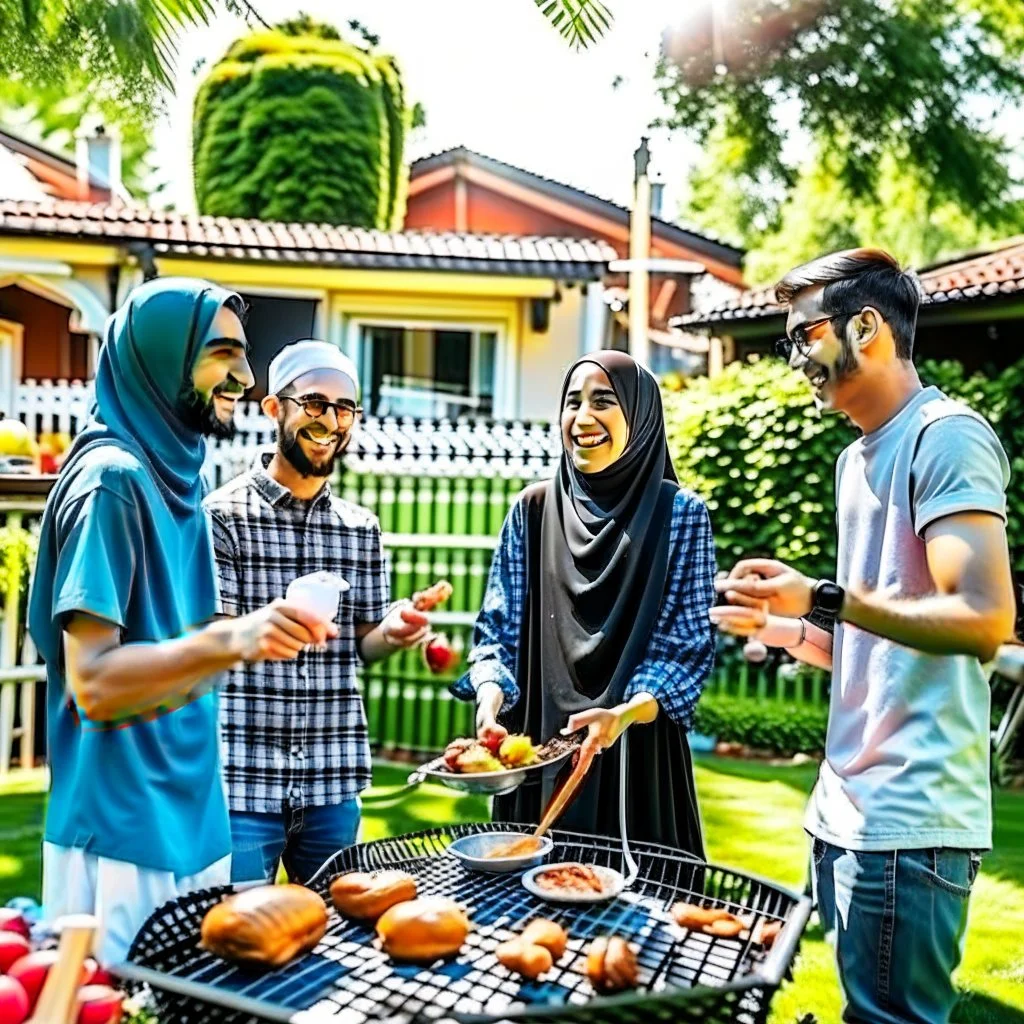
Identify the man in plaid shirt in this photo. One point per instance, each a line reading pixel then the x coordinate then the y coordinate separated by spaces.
pixel 294 740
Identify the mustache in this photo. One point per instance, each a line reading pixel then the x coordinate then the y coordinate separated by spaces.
pixel 230 387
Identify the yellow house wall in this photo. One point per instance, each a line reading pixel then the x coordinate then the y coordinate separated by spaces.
pixel 530 364
pixel 544 358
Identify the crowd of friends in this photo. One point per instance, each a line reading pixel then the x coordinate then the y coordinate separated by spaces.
pixel 202 729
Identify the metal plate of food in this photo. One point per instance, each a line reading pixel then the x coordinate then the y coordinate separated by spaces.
pixel 490 781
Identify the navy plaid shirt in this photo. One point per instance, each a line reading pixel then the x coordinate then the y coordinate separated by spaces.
pixel 682 649
pixel 293 733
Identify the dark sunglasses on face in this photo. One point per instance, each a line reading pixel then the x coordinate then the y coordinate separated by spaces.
pixel 797 338
pixel 314 408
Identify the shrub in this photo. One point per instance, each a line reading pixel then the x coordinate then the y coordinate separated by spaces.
pixel 752 444
pixel 783 728
pixel 301 128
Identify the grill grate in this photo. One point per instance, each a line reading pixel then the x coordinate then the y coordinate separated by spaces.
pixel 684 975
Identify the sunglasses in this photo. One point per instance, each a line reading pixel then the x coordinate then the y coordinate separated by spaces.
pixel 798 339
pixel 314 408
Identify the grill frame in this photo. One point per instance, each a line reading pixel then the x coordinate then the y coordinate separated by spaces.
pixel 164 954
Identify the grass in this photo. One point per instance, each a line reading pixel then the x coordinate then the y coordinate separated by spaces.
pixel 752 818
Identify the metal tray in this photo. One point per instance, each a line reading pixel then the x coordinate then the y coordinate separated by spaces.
pixel 685 976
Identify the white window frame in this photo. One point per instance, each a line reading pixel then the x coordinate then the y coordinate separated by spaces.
pixel 504 383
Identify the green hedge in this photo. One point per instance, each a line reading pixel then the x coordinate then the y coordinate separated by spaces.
pixel 752 444
pixel 785 729
pixel 302 128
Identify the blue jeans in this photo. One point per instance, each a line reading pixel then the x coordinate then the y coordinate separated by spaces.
pixel 898 920
pixel 303 838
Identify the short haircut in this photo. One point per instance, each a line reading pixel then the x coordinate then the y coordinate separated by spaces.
pixel 857 278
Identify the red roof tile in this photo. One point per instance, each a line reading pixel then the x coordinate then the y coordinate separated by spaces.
pixel 176 234
pixel 975 277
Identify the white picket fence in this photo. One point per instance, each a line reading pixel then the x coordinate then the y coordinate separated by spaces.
pixel 62 407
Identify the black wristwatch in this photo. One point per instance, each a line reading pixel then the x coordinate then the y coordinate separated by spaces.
pixel 827 600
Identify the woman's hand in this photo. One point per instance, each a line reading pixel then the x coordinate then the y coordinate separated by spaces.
pixel 605 725
pixel 489 699
pixel 757 624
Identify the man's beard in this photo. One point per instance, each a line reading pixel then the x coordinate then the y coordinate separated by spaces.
pixel 200 414
pixel 291 451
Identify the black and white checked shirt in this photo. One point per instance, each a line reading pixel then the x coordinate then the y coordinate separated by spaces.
pixel 293 734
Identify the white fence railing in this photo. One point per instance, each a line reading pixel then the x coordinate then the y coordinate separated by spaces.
pixel 387 444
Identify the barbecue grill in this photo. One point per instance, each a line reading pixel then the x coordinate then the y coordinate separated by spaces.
pixel 684 976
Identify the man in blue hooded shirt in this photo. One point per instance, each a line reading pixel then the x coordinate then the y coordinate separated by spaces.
pixel 122 608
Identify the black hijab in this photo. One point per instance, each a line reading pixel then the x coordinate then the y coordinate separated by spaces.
pixel 604 554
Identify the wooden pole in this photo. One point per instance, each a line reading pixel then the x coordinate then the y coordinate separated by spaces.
pixel 639 253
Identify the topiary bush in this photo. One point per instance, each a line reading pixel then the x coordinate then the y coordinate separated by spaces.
pixel 302 128
pixel 752 444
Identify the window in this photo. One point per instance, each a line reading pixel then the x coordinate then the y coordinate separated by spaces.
pixel 427 372
pixel 272 323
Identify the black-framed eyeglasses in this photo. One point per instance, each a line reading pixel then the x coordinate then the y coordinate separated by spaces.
pixel 798 339
pixel 314 408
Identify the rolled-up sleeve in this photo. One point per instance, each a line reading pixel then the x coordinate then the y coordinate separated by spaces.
pixel 496 637
pixel 681 654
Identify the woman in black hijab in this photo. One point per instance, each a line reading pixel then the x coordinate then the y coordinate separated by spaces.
pixel 596 612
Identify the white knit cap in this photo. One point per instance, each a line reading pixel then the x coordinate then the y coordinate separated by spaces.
pixel 303 356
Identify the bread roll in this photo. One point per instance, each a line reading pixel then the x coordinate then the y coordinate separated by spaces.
pixel 364 896
pixel 423 930
pixel 268 925
pixel 549 934
pixel 525 958
pixel 611 965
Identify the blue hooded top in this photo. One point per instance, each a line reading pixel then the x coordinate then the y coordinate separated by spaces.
pixel 124 539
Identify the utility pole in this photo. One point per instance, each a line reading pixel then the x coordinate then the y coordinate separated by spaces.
pixel 639 254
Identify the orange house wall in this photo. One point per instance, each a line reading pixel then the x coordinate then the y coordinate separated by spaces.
pixel 490 213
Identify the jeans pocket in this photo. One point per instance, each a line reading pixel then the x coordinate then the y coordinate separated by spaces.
pixel 818 848
pixel 946 869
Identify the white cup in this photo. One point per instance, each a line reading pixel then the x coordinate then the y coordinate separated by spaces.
pixel 318 593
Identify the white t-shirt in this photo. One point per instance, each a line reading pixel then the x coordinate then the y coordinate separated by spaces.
pixel 907 752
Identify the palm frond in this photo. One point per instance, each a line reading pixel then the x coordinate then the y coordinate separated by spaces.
pixel 579 22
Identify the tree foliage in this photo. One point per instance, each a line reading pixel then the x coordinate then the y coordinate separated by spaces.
pixel 881 114
pixel 51 115
pixel 302 128
pixel 751 443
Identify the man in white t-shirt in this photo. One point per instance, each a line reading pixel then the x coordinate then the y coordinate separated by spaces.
pixel 923 597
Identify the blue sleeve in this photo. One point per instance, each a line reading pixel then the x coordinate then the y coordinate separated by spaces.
pixel 496 638
pixel 98 549
pixel 682 649
pixel 959 466
pixel 225 553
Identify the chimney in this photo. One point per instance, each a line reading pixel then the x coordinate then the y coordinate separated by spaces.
pixel 98 157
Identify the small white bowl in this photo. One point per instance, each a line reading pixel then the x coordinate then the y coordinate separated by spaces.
pixel 473 850
pixel 612 880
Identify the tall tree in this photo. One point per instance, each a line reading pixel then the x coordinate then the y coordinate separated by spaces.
pixel 882 114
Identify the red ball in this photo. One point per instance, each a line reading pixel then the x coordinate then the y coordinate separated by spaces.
pixel 31 971
pixel 12 921
pixel 439 654
pixel 14 1006
pixel 12 948
pixel 99 1004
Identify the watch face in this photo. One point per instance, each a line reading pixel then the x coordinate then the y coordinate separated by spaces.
pixel 829 597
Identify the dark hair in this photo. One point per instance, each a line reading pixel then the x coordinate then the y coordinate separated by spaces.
pixel 857 278
pixel 238 306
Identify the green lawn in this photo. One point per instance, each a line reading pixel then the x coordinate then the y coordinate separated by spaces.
pixel 752 814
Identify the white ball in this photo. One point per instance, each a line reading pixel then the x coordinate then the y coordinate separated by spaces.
pixel 755 651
